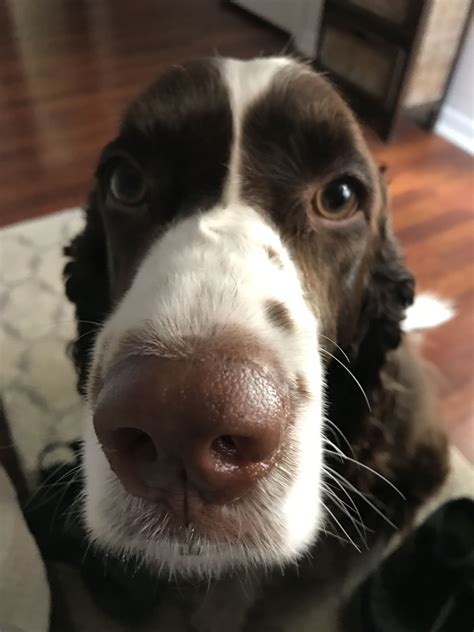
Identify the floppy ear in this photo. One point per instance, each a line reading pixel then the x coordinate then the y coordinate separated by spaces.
pixel 87 286
pixel 389 290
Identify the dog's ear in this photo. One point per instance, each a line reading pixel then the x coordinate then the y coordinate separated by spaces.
pixel 389 291
pixel 87 285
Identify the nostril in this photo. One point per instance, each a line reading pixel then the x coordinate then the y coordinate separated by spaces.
pixel 225 446
pixel 135 443
pixel 238 450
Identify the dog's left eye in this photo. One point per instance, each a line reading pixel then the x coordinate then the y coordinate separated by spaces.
pixel 337 200
pixel 127 184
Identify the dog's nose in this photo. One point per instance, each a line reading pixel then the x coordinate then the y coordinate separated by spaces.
pixel 213 424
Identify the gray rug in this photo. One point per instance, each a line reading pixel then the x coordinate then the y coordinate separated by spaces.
pixel 37 379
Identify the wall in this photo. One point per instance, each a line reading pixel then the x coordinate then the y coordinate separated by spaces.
pixel 300 18
pixel 456 121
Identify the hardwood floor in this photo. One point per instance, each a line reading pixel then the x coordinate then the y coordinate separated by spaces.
pixel 68 67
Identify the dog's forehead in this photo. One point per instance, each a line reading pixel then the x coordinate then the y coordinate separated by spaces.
pixel 184 94
pixel 212 95
pixel 301 113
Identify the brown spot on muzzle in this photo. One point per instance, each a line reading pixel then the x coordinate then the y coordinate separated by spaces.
pixel 274 257
pixel 302 388
pixel 279 315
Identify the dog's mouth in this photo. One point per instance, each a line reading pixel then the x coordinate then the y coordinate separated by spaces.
pixel 186 520
pixel 187 525
pixel 182 513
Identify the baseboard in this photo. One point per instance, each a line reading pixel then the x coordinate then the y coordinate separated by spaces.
pixel 457 128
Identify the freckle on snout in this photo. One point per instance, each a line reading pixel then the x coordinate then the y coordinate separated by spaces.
pixel 278 314
pixel 302 388
pixel 274 257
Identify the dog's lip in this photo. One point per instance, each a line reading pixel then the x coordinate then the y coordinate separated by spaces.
pixel 186 509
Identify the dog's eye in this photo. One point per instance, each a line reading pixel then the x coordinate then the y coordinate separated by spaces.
pixel 337 200
pixel 127 184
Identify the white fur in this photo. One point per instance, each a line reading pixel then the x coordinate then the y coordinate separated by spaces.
pixel 246 81
pixel 428 311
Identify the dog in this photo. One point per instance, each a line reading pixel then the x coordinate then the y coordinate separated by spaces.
pixel 254 404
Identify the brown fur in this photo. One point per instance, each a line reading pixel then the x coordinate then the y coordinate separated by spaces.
pixel 279 315
pixel 274 256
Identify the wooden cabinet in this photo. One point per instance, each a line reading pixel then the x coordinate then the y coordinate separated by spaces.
pixel 391 55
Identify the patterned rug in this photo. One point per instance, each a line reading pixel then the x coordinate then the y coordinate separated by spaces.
pixel 37 379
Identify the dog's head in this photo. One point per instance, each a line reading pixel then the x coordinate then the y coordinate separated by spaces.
pixel 236 240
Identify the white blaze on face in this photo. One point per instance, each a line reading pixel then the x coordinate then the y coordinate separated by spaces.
pixel 246 82
pixel 209 274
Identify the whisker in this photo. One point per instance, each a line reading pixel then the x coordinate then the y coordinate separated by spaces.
pixel 337 346
pixel 38 325
pixel 29 503
pixel 335 428
pixel 369 469
pixel 346 510
pixel 351 374
pixel 85 334
pixel 342 528
pixel 342 488
pixel 344 481
pixel 338 452
pixel 286 47
pixel 336 536
pixel 75 508
pixel 66 487
pixel 88 547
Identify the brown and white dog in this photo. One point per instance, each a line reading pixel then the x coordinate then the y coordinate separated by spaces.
pixel 251 391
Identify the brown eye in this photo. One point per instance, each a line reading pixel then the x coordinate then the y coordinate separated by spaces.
pixel 337 200
pixel 127 184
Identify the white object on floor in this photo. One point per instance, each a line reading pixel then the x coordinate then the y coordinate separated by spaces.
pixel 428 311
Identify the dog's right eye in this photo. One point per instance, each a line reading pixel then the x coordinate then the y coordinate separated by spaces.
pixel 127 184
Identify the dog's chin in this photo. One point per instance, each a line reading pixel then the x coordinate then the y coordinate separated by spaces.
pixel 243 535
pixel 148 533
pixel 224 540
